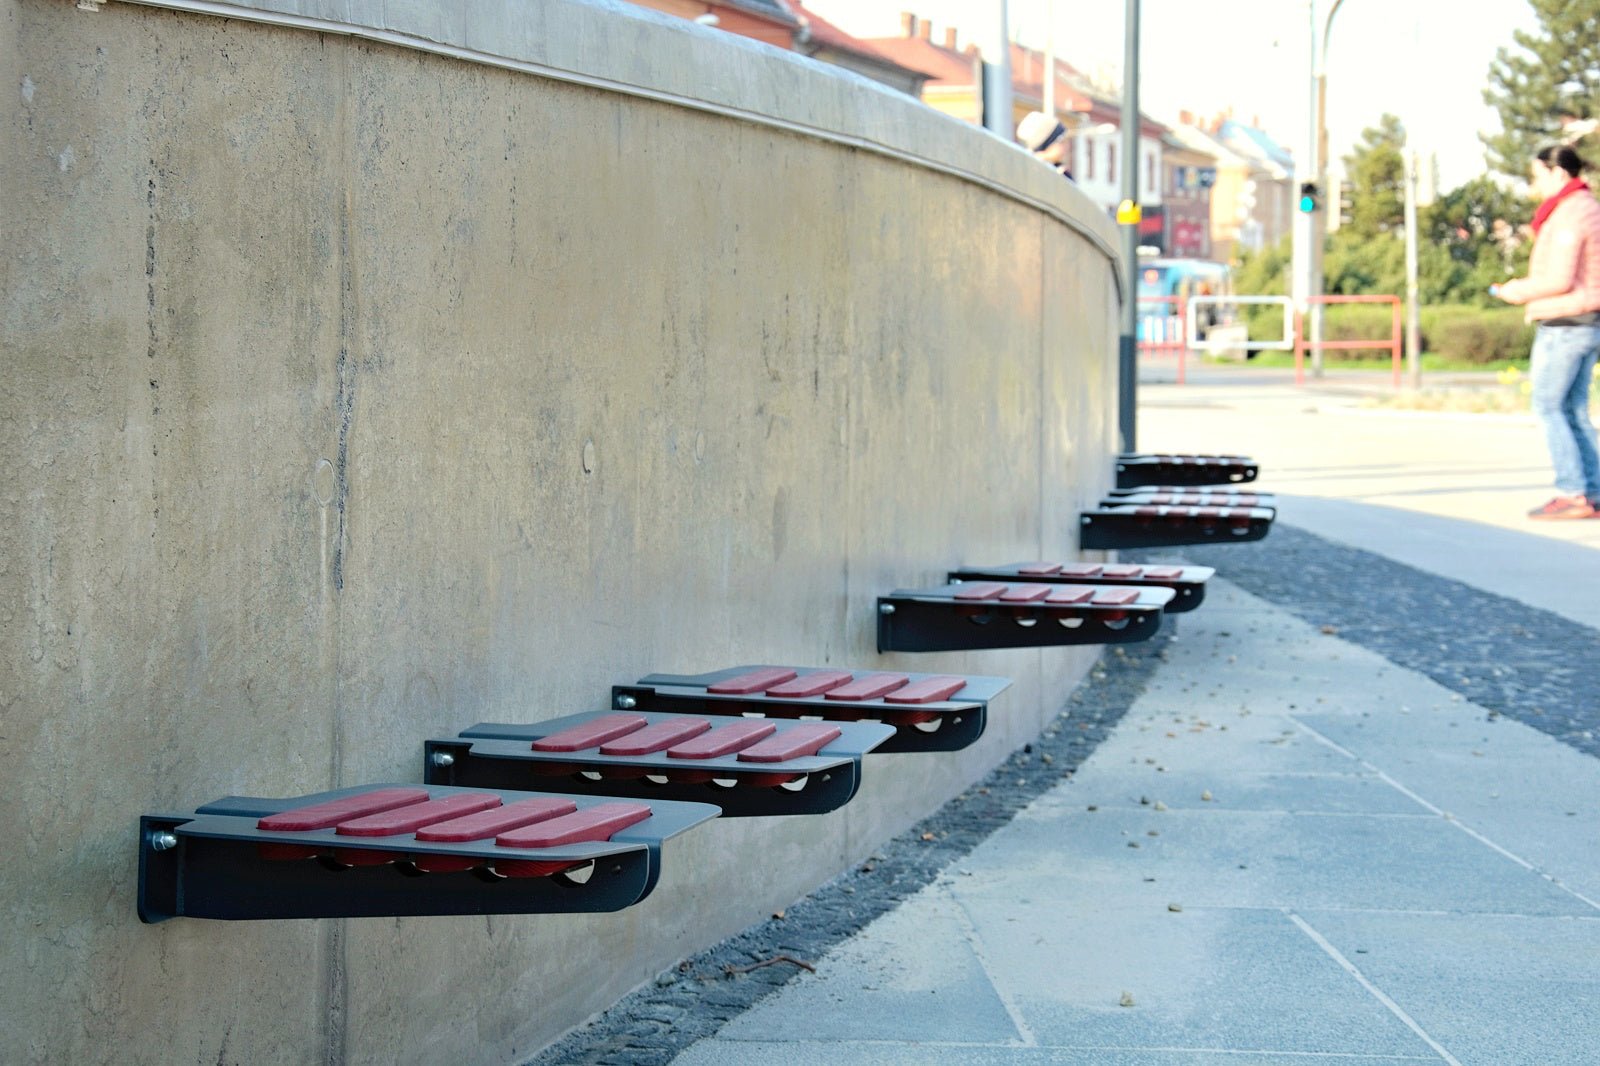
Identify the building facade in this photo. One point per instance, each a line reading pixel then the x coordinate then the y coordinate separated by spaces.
pixel 1251 202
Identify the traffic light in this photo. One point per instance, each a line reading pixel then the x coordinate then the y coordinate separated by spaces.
pixel 1310 197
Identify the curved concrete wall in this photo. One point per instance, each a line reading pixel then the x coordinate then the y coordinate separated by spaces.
pixel 401 366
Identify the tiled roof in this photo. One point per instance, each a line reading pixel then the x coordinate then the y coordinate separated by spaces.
pixel 1253 142
pixel 944 66
pixel 1027 79
pixel 1198 139
pixel 948 68
pixel 827 34
pixel 772 9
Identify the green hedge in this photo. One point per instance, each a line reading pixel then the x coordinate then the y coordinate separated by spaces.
pixel 1475 334
pixel 1460 333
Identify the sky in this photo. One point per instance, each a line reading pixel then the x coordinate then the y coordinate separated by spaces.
pixel 1426 61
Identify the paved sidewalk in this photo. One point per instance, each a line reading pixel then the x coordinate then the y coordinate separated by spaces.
pixel 1291 849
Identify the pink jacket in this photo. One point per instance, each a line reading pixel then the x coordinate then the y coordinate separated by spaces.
pixel 1564 271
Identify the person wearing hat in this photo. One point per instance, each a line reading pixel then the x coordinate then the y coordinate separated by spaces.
pixel 1046 138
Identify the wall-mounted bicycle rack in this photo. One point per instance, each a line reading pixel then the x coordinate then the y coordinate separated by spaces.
pixel 1155 526
pixel 398 850
pixel 1135 469
pixel 1188 583
pixel 985 614
pixel 746 766
pixel 930 712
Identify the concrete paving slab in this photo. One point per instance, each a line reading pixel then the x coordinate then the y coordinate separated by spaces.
pixel 1282 792
pixel 1494 991
pixel 1225 980
pixel 1500 779
pixel 1235 741
pixel 1233 647
pixel 1260 859
pixel 912 976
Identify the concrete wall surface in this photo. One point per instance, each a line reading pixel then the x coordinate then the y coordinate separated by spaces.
pixel 378 368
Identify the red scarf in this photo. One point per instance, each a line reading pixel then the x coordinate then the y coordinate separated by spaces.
pixel 1544 210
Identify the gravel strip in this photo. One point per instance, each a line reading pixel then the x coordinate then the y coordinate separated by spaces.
pixel 1503 655
pixel 707 990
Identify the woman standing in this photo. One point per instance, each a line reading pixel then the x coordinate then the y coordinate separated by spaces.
pixel 1562 295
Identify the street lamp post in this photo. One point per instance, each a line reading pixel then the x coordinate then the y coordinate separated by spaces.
pixel 1128 215
pixel 1305 174
pixel 1319 222
pixel 1049 107
pixel 997 118
pixel 1413 330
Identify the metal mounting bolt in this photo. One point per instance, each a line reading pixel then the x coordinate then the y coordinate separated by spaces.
pixel 163 841
pixel 886 608
pixel 443 758
pixel 627 703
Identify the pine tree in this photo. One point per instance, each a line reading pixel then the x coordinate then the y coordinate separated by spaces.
pixel 1555 77
pixel 1376 174
pixel 1468 242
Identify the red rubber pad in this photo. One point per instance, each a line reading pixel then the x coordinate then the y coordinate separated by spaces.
pixel 807 738
pixel 324 815
pixel 591 734
pixel 724 740
pixel 928 690
pixel 869 687
pixel 755 681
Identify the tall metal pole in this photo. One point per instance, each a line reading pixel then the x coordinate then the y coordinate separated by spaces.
pixel 1049 107
pixel 1319 223
pixel 1413 310
pixel 1128 215
pixel 997 78
pixel 1303 226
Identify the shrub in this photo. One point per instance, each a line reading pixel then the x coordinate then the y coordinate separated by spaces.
pixel 1340 322
pixel 1477 335
pixel 1358 322
pixel 1459 333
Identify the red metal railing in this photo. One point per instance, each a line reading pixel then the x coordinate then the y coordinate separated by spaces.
pixel 1169 330
pixel 1303 345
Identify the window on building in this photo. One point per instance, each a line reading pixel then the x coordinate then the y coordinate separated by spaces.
pixel 1111 163
pixel 1088 157
pixel 1150 173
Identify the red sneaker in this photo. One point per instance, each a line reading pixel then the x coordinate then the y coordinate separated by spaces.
pixel 1565 507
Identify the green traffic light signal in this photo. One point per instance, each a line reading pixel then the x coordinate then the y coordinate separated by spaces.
pixel 1310 197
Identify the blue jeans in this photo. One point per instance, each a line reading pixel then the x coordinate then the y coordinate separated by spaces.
pixel 1563 365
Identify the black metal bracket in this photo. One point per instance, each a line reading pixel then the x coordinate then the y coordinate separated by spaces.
pixel 1137 526
pixel 967 616
pixel 947 724
pixel 491 755
pixel 1188 583
pixel 217 863
pixel 1136 468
